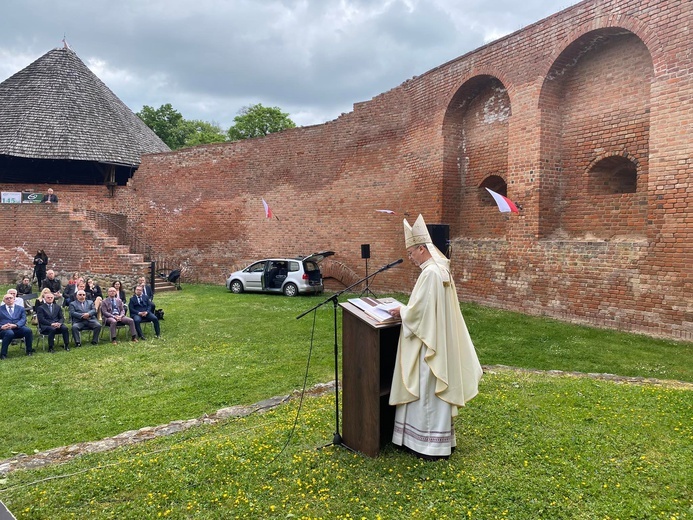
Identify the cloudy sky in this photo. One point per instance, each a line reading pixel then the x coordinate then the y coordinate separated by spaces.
pixel 210 58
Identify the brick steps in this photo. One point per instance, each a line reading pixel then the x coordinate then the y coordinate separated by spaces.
pixel 74 242
pixel 164 286
pixel 103 252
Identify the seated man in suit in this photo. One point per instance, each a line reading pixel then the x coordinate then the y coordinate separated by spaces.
pixel 147 291
pixel 52 283
pixel 140 310
pixel 113 312
pixel 51 321
pixel 13 325
pixel 83 316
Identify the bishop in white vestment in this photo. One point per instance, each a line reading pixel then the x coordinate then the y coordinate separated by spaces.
pixel 437 369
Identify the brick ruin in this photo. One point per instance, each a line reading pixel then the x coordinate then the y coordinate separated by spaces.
pixel 584 118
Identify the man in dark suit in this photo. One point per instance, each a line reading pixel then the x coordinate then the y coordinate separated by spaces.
pixel 140 310
pixel 113 312
pixel 50 197
pixel 51 321
pixel 13 325
pixel 83 314
pixel 147 291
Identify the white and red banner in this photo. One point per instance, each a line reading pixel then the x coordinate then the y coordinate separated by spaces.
pixel 268 210
pixel 505 205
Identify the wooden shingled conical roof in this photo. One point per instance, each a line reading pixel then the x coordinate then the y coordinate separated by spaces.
pixel 57 109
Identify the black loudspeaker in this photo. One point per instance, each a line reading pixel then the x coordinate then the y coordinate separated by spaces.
pixel 440 235
pixel 365 250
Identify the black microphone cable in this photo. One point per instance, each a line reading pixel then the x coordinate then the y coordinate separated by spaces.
pixel 303 392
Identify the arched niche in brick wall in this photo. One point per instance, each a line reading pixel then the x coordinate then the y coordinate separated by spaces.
pixel 475 133
pixel 613 175
pixel 495 221
pixel 596 99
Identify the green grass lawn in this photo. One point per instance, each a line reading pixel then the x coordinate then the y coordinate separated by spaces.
pixel 530 445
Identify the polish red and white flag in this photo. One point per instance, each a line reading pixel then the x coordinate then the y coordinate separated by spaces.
pixel 268 210
pixel 505 205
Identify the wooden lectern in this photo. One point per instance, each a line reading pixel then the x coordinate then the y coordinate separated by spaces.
pixel 369 349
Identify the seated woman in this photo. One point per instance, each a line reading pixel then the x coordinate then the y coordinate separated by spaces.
pixel 39 301
pixel 121 292
pixel 24 287
pixel 94 293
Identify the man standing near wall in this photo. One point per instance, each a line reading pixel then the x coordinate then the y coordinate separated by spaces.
pixel 437 369
pixel 50 198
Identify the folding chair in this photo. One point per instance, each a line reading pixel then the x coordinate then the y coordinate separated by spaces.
pixel 144 325
pixel 120 327
pixel 19 341
pixel 40 338
pixel 92 335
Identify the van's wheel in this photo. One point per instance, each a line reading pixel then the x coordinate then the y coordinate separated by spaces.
pixel 236 287
pixel 290 289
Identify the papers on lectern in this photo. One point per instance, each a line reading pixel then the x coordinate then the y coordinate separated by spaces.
pixel 377 309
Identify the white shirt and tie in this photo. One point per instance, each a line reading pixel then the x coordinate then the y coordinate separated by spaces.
pixel 10 311
pixel 50 313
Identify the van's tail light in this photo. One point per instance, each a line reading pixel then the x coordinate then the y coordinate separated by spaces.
pixel 305 276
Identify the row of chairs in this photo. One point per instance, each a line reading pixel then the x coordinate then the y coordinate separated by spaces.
pixel 41 340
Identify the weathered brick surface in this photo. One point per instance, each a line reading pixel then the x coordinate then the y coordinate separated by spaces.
pixel 71 241
pixel 542 111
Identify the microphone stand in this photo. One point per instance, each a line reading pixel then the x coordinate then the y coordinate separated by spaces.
pixel 367 289
pixel 337 437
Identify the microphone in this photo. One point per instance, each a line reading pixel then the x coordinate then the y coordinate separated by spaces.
pixel 394 263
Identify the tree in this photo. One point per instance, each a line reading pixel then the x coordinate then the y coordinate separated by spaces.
pixel 256 121
pixel 202 132
pixel 167 123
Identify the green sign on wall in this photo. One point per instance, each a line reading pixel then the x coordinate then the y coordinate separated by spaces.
pixel 30 198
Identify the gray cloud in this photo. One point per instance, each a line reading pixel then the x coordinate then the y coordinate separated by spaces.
pixel 209 58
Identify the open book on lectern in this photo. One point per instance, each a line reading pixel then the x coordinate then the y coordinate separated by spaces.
pixel 377 308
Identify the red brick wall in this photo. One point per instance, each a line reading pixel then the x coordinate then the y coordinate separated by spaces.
pixel 539 109
pixel 603 104
pixel 71 243
pixel 476 148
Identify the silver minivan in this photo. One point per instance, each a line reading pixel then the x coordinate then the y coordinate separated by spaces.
pixel 290 276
